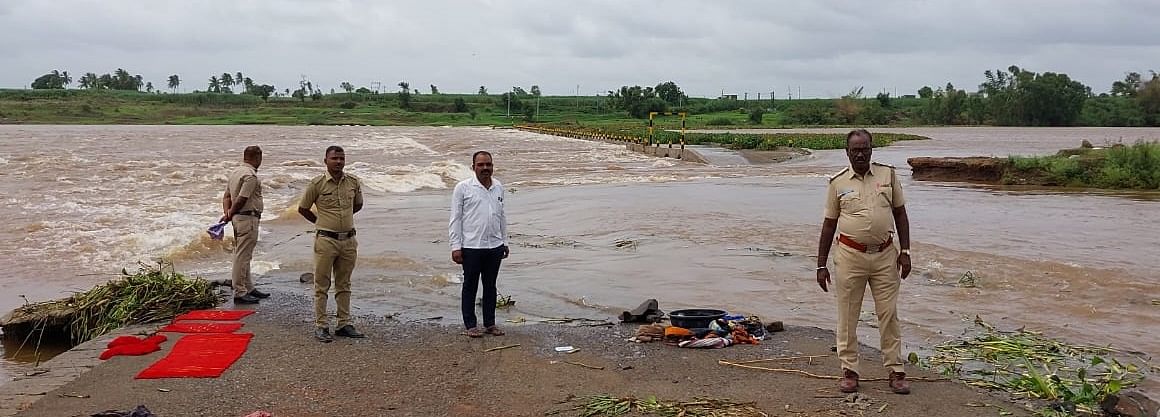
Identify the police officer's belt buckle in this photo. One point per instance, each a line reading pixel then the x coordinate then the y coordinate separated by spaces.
pixel 873 249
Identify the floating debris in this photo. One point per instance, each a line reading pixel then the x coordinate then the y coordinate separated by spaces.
pixel 625 244
pixel 969 279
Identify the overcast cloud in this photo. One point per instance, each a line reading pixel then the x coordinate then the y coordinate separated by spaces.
pixel 825 48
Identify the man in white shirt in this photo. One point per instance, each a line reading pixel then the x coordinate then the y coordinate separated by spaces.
pixel 478 235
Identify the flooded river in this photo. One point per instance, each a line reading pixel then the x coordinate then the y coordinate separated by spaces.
pixel 595 229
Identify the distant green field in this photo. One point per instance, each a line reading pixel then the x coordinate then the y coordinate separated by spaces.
pixel 129 107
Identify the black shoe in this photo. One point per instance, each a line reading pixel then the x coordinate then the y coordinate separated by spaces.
pixel 258 294
pixel 349 331
pixel 246 299
pixel 323 335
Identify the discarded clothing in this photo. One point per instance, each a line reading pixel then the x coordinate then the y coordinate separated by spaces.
pixel 742 337
pixel 260 414
pixel 133 346
pixel 140 411
pixel 706 343
pixel 648 333
pixel 678 333
pixel 648 312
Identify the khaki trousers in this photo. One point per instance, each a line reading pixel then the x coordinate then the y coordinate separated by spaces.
pixel 854 271
pixel 337 256
pixel 245 238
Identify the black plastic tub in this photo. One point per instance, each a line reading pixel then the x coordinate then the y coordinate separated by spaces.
pixel 694 318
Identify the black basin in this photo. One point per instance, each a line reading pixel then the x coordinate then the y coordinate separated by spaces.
pixel 694 318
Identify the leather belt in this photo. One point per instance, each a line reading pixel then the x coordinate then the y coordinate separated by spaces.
pixel 254 213
pixel 336 235
pixel 853 244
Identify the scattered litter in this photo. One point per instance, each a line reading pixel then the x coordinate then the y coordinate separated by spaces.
pixel 501 348
pixel 73 395
pixel 607 405
pixel 599 368
pixel 883 407
pixel 259 414
pixel 1156 302
pixel 307 277
pixel 647 312
pixel 858 400
pixel 566 349
pixel 163 389
pixel 140 411
pixel 36 372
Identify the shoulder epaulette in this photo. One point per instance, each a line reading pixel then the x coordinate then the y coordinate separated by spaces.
pixel 835 176
pixel 883 165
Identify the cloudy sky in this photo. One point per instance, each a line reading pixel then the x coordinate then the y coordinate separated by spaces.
pixel 823 47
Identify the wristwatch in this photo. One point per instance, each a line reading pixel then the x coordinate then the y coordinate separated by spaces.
pixel 905 252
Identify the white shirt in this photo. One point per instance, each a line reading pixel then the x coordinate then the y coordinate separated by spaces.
pixel 477 217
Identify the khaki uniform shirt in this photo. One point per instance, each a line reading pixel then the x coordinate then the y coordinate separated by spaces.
pixel 243 182
pixel 334 201
pixel 864 205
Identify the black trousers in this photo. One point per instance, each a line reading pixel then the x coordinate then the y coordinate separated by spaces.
pixel 477 262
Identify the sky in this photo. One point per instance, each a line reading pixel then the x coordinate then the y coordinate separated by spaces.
pixel 822 48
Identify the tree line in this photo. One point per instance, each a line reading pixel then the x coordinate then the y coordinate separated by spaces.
pixel 1011 97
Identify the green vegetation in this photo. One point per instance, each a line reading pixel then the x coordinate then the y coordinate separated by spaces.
pixel 1071 379
pixel 608 405
pixel 764 141
pixel 1015 97
pixel 152 294
pixel 1118 167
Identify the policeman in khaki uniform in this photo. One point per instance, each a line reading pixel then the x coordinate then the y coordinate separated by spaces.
pixel 242 206
pixel 336 197
pixel 865 206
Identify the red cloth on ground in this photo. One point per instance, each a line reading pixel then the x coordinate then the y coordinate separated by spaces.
pixel 228 315
pixel 206 355
pixel 188 327
pixel 133 346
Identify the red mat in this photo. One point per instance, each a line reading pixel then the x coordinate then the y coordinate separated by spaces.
pixel 213 327
pixel 199 356
pixel 228 315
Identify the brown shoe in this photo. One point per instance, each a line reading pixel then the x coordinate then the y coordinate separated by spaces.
pixel 849 381
pixel 493 330
pixel 474 332
pixel 898 383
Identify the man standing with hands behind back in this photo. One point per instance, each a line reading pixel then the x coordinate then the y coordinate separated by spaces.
pixel 864 204
pixel 478 235
pixel 242 206
pixel 336 196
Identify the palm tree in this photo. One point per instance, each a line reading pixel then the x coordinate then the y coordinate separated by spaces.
pixel 247 83
pixel 137 81
pixel 226 80
pixel 93 83
pixel 238 78
pixel 214 85
pixel 65 78
pixel 174 81
pixel 346 85
pixel 149 87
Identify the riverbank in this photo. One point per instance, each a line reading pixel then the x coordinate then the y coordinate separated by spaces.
pixel 1133 167
pixel 420 369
